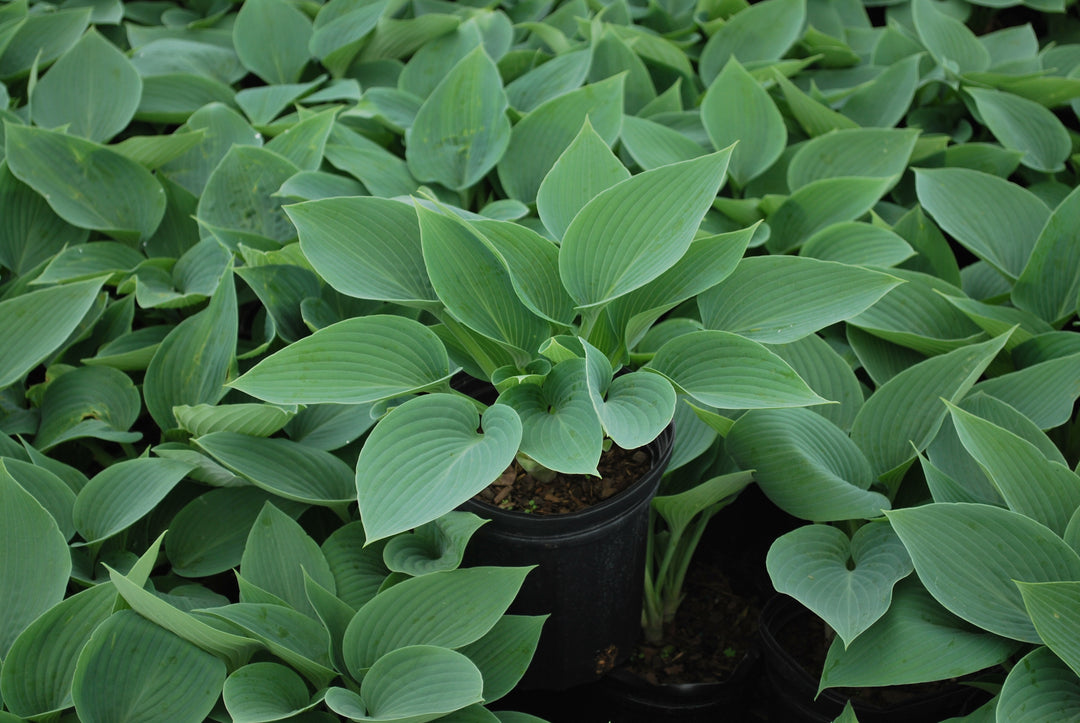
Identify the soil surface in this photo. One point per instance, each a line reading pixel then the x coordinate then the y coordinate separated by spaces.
pixel 518 490
pixel 714 628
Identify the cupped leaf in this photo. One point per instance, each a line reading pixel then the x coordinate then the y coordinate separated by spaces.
pixel 584 169
pixel 634 408
pixel 1026 126
pixel 271 37
pixel 34 562
pixel 355 361
pixel 538 140
pixel 820 204
pixel 560 75
pixel 39 666
pixel 88 185
pixel 34 325
pixel 907 409
pixel 848 583
pixel 283 467
pixel 93 89
pixel 831 478
pixel 560 427
pixel 736 109
pixel 996 220
pixel 634 231
pixel 419 683
pixel 437 609
pixel 264 692
pixel 98 402
pixel 122 493
pixel 461 131
pixel 432 547
pixel 366 247
pixel 925 642
pixel 969 556
pixel 426 457
pixel 191 364
pixel 728 371
pixel 39 39
pixel 1040 687
pixel 132 670
pixel 779 299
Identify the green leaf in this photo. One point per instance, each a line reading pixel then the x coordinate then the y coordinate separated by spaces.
pixel 858 244
pixel 969 555
pixel 191 365
pixel 950 41
pixel 473 283
pixel 779 299
pixel 93 87
pixel 1040 687
pixel 1024 125
pixel 339 32
pixel 48 489
pixel 385 357
pixel 358 569
pixel 330 426
pixel 277 555
pixel 883 102
pixel 283 467
pixel 85 261
pixel 258 420
pixel 365 247
pixel 122 493
pixel 864 152
pixel 996 220
pixel 761 32
pixel 35 563
pixel 830 480
pixel 813 116
pixel 737 109
pixel 30 232
pixel 1044 490
pixel 39 666
pixel 383 173
pixel 820 204
pixel 87 185
pixel 584 169
pixel 239 194
pixel 826 372
pixel 432 547
pixel 504 652
pixel 905 413
pixel 848 583
pixel 560 426
pixel 434 437
pixel 679 510
pixel 34 325
pixel 133 670
pixel 97 402
pixel 264 692
pixel 727 371
pixel 40 39
pixel 176 97
pixel 305 142
pixel 223 127
pixel 634 408
pixel 208 534
pixel 458 148
pixel 925 643
pixel 558 76
pixel 1052 606
pixel 634 231
pixel 1044 392
pixel 538 140
pixel 652 145
pixel 1049 283
pixel 271 37
pixel 437 609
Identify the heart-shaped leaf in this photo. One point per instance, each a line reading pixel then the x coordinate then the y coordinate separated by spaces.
pixel 426 457
pixel 848 583
pixel 435 546
pixel 264 692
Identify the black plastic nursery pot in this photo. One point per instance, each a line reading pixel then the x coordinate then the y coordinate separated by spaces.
pixel 589 576
pixel 625 698
pixel 790 690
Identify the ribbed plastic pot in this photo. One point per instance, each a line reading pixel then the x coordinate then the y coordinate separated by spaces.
pixel 626 698
pixel 589 576
pixel 790 689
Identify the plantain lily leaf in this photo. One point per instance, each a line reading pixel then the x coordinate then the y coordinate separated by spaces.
pixel 820 204
pixel 97 402
pixel 258 420
pixel 1049 283
pixel 264 692
pixel 271 38
pixel 763 31
pixel 1043 392
pixel 461 131
pixel 30 231
pixel 88 185
pixel 652 145
pixel 133 670
pixel 359 570
pixel 832 479
pixel 825 371
pixel 432 547
pixel 960 556
pixel 425 458
pixel 885 101
pixel 383 357
pixel 121 494
pixel 633 408
pixel 1024 125
pixel 238 194
pixel 864 152
pixel 1039 687
pixel 948 39
pixel 93 87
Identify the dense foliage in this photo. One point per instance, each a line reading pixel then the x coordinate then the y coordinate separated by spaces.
pixel 244 248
